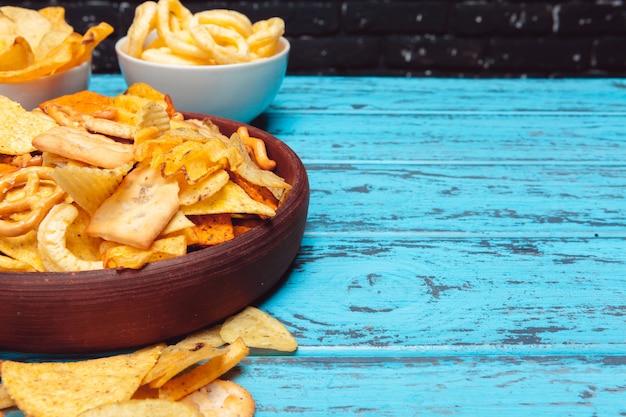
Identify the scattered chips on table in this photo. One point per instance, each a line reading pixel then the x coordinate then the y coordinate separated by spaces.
pixel 183 379
pixel 38 43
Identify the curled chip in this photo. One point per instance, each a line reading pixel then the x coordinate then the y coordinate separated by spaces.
pixel 208 37
pixel 51 238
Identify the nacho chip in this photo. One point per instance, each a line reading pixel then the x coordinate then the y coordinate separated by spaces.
pixel 5 399
pixel 86 102
pixel 211 229
pixel 259 330
pixel 206 373
pixel 125 256
pixel 142 408
pixel 231 198
pixel 18 127
pixel 22 249
pixel 62 389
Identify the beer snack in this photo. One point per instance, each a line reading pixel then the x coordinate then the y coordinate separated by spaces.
pixel 38 43
pixel 209 37
pixel 145 183
pixel 182 379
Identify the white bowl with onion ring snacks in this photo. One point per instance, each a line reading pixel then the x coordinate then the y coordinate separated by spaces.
pixel 240 91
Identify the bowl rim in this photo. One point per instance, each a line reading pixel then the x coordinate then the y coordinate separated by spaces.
pixel 109 310
pixel 281 54
pixel 46 78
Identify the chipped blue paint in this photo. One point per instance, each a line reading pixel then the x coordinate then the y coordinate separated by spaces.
pixel 464 252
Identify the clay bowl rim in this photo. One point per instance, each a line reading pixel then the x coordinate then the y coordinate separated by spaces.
pixel 74 286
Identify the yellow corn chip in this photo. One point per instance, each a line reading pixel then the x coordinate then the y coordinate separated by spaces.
pixel 143 408
pixel 62 389
pixel 258 330
pixel 231 198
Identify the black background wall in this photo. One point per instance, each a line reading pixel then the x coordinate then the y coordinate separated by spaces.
pixel 458 38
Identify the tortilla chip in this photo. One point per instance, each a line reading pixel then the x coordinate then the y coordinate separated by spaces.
pixel 62 389
pixel 18 127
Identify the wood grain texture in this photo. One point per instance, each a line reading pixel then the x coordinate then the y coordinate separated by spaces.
pixel 464 251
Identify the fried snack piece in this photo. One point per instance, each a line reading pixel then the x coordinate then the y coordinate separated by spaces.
pixel 222 398
pixel 62 389
pixel 51 242
pixel 18 126
pixel 86 102
pixel 80 145
pixel 142 408
pixel 138 210
pixel 206 373
pixel 259 330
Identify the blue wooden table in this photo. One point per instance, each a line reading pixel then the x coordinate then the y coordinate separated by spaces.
pixel 465 251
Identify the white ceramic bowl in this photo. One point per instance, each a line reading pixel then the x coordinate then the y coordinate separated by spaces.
pixel 31 93
pixel 239 92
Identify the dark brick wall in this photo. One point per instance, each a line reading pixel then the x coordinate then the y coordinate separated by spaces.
pixel 417 38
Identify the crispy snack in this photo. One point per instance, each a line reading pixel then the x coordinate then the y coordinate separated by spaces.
pixel 204 374
pixel 180 379
pixel 148 186
pixel 222 398
pixel 51 389
pixel 24 210
pixel 40 43
pixel 138 210
pixel 142 408
pixel 78 144
pixel 19 126
pixel 208 37
pixel 259 330
pixel 51 242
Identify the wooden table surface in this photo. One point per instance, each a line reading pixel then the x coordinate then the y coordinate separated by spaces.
pixel 465 252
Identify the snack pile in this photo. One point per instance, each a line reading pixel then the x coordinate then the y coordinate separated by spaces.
pixel 210 37
pixel 185 379
pixel 38 43
pixel 89 182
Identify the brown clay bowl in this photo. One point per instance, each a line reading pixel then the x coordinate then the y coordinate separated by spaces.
pixel 98 311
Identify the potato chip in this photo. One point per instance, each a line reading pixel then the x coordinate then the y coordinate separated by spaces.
pixel 126 256
pixel 193 193
pixel 16 56
pixel 258 330
pixel 251 172
pixel 28 23
pixel 206 373
pixel 62 389
pixel 18 127
pixel 175 359
pixel 142 408
pixel 222 398
pixel 88 186
pixel 231 198
pixel 51 242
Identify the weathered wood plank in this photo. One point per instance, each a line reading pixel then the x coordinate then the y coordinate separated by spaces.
pixel 415 386
pixel 431 138
pixel 475 199
pixel 469 296
pixel 376 95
